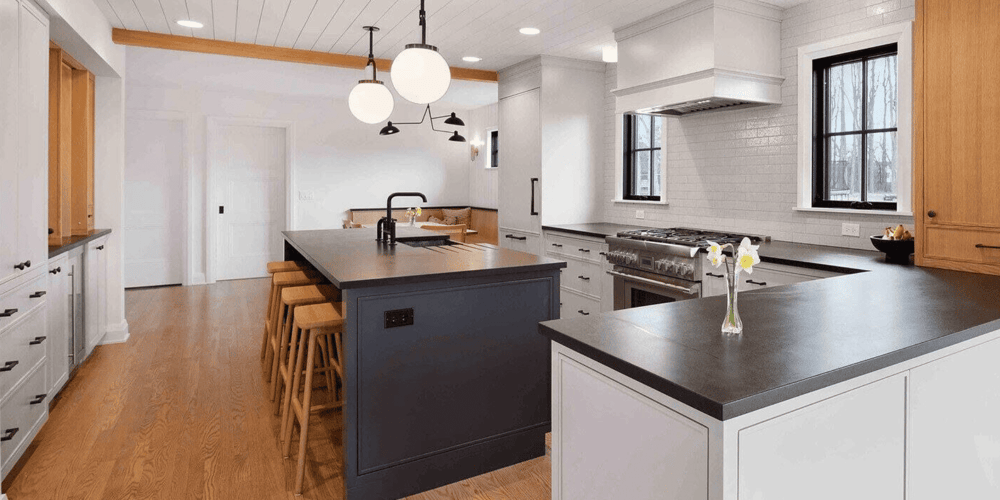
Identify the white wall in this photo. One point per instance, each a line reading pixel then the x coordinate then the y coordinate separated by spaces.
pixel 109 199
pixel 80 28
pixel 339 162
pixel 483 182
pixel 736 170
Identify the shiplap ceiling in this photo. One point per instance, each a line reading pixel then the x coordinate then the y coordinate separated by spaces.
pixel 481 28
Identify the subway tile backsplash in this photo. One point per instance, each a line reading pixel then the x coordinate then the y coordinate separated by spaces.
pixel 736 170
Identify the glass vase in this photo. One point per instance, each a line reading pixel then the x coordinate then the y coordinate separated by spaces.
pixel 732 324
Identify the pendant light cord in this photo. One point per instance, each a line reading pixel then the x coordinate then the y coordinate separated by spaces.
pixel 423 24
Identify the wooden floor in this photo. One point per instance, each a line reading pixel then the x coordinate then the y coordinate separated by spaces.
pixel 179 412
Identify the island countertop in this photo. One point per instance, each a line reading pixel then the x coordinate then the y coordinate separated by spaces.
pixel 796 338
pixel 351 258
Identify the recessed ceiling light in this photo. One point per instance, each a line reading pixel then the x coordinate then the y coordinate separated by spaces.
pixel 530 31
pixel 472 59
pixel 190 24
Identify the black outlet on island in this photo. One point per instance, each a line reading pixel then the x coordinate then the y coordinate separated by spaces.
pixel 398 317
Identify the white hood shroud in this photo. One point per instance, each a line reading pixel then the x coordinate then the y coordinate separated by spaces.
pixel 700 55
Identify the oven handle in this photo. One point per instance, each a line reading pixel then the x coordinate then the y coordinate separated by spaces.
pixel 652 282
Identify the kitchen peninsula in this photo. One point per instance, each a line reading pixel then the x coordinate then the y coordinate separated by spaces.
pixel 446 376
pixel 881 383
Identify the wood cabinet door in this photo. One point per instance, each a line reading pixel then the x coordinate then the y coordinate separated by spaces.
pixel 33 153
pixel 958 134
pixel 520 162
pixel 8 139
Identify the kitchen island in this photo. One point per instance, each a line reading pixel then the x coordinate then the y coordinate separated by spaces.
pixel 446 376
pixel 882 383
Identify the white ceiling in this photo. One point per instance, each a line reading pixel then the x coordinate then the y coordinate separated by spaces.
pixel 482 28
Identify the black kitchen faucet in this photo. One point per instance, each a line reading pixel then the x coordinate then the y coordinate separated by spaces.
pixel 386 226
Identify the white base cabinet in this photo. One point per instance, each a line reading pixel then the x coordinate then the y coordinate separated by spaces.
pixel 927 428
pixel 95 270
pixel 60 317
pixel 586 287
pixel 765 275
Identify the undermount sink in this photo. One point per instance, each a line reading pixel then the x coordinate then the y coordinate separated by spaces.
pixel 422 242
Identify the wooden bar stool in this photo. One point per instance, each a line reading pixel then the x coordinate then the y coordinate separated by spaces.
pixel 315 323
pixel 276 267
pixel 292 298
pixel 280 281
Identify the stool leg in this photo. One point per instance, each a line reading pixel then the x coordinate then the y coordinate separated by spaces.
pixel 306 407
pixel 279 343
pixel 296 377
pixel 286 375
pixel 272 333
pixel 331 377
pixel 267 318
pixel 287 355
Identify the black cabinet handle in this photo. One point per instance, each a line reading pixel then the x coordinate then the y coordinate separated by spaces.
pixel 38 399
pixel 557 245
pixel 8 366
pixel 980 245
pixel 100 247
pixel 581 311
pixel 20 267
pixel 38 340
pixel 761 283
pixel 714 275
pixel 36 295
pixel 533 181
pixel 519 238
pixel 931 214
pixel 8 313
pixel 584 278
pixel 56 270
pixel 584 250
pixel 27 263
pixel 9 434
pixel 603 253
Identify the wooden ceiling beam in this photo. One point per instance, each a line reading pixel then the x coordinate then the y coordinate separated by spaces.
pixel 236 49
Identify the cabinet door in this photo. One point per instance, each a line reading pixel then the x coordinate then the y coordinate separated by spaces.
pixel 95 295
pixel 8 139
pixel 60 323
pixel 32 179
pixel 520 161
pixel 954 446
pixel 958 132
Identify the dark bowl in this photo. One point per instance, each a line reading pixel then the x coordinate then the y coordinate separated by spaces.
pixel 895 250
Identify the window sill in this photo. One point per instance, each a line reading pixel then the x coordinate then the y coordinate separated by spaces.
pixel 851 211
pixel 642 202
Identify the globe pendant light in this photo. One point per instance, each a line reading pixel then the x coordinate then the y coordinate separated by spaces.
pixel 370 101
pixel 419 73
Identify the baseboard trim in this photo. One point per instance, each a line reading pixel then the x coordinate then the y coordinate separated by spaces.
pixel 197 279
pixel 116 335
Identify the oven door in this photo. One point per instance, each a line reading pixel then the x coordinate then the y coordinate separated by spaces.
pixel 636 289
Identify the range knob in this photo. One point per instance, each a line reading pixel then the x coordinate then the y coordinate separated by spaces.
pixel 633 258
pixel 686 270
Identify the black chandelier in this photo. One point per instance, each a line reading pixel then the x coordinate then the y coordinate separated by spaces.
pixel 451 119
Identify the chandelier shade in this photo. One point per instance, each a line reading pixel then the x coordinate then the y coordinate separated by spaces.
pixel 370 101
pixel 420 75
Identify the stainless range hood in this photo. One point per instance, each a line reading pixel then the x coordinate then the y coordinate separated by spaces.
pixel 698 56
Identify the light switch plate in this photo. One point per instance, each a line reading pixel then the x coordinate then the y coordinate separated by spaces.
pixel 306 196
pixel 640 214
pixel 848 229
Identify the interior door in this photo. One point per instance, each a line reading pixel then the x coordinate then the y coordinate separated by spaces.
pixel 154 202
pixel 520 150
pixel 250 178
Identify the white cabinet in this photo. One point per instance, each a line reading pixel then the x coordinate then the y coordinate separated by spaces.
pixel 60 316
pixel 522 241
pixel 24 36
pixel 954 447
pixel 96 294
pixel 520 152
pixel 586 287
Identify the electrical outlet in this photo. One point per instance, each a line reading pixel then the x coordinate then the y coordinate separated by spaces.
pixel 640 214
pixel 398 317
pixel 848 229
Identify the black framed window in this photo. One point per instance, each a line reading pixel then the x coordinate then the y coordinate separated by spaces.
pixel 855 144
pixel 494 149
pixel 643 157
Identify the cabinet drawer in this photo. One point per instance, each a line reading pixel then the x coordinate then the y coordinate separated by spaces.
pixel 577 306
pixel 22 411
pixel 519 241
pixel 574 247
pixel 17 353
pixel 584 277
pixel 964 245
pixel 21 301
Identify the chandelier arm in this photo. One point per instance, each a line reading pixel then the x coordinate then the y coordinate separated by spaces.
pixel 427 111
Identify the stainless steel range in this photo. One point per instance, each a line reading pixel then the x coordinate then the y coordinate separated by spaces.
pixel 656 266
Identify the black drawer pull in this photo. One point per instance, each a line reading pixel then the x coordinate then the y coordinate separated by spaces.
pixel 38 340
pixel 714 275
pixel 603 253
pixel 557 245
pixel 56 270
pixel 581 311
pixel 8 313
pixel 980 245
pixel 9 434
pixel 38 399
pixel 8 366
pixel 36 295
pixel 584 278
pixel 584 250
pixel 518 238
pixel 761 283
pixel 20 267
pixel 100 247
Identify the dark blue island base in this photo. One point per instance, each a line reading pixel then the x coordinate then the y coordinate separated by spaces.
pixel 463 390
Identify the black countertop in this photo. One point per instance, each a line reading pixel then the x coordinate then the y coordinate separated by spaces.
pixel 351 258
pixel 797 338
pixel 593 229
pixel 76 241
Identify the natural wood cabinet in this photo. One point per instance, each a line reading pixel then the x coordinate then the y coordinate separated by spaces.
pixel 957 135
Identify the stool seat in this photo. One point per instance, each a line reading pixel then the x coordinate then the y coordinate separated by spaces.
pixel 286 266
pixel 319 316
pixel 312 294
pixel 295 278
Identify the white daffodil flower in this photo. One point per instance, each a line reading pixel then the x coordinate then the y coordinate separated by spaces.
pixel 746 256
pixel 715 254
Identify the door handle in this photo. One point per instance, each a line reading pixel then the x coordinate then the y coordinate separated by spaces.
pixel 980 245
pixel 38 399
pixel 36 295
pixel 8 366
pixel 100 247
pixel 581 311
pixel 222 209
pixel 8 313
pixel 584 278
pixel 9 434
pixel 534 180
pixel 761 283
pixel 38 340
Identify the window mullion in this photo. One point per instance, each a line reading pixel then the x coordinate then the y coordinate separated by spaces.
pixel 864 130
